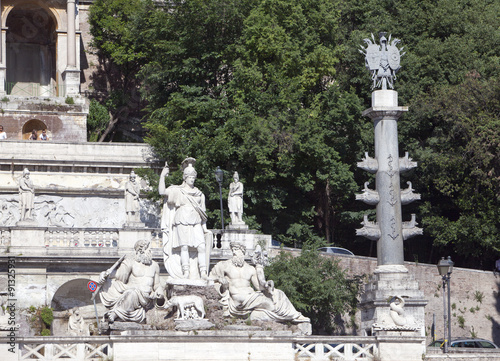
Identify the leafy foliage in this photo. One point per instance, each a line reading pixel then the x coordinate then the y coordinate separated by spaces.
pixel 97 120
pixel 262 107
pixel 316 286
pixel 41 319
pixel 460 169
pixel 274 89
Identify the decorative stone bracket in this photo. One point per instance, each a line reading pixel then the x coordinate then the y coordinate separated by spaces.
pixel 406 163
pixel 368 164
pixel 410 228
pixel 407 195
pixel 370 230
pixel 368 196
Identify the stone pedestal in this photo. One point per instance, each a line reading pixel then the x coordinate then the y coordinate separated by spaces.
pixel 25 236
pixel 397 346
pixel 128 237
pixel 134 225
pixel 241 234
pixel 3 77
pixel 378 315
pixel 71 78
pixel 237 227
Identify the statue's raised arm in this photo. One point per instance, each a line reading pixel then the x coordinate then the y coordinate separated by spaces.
pixel 383 61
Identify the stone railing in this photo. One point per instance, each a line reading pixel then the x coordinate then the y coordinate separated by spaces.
pixel 335 348
pixel 95 348
pixel 73 237
pixel 95 238
pixel 53 238
pixel 174 348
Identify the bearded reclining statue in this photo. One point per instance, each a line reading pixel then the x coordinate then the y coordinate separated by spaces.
pixel 128 291
pixel 245 291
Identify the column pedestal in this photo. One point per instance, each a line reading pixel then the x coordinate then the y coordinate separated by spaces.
pixel 71 79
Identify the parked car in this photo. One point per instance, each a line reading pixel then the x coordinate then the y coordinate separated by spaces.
pixel 336 250
pixel 466 342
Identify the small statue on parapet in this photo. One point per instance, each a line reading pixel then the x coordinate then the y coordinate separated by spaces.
pixel 245 291
pixel 132 197
pixel 383 61
pixel 235 200
pixel 26 196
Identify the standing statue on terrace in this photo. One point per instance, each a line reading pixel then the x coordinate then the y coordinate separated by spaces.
pixel 235 200
pixel 187 241
pixel 382 61
pixel 245 291
pixel 132 197
pixel 26 196
pixel 129 289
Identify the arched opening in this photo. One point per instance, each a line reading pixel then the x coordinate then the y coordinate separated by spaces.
pixel 33 124
pixel 69 295
pixel 31 51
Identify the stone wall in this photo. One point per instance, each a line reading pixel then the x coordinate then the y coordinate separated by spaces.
pixel 474 297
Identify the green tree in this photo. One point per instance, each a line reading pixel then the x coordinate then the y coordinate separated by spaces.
pixel 446 42
pixel 114 26
pixel 460 169
pixel 265 112
pixel 97 120
pixel 275 89
pixel 317 287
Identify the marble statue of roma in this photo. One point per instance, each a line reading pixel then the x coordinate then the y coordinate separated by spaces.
pixel 77 325
pixel 128 291
pixel 382 61
pixel 187 241
pixel 245 290
pixel 26 195
pixel 235 200
pixel 132 196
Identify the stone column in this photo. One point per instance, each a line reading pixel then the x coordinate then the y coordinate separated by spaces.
pixel 385 113
pixel 391 286
pixel 3 65
pixel 71 45
pixel 71 75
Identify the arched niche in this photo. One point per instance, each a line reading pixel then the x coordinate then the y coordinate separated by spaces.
pixel 31 51
pixel 72 294
pixel 33 124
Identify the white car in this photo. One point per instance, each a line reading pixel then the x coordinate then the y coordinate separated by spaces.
pixel 336 250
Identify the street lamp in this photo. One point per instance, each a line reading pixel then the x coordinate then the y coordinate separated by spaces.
pixel 445 267
pixel 219 176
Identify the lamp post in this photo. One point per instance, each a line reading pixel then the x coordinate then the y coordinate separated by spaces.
pixel 445 268
pixel 219 176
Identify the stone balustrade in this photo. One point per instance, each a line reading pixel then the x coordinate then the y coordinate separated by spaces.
pixel 173 346
pixel 81 238
pixel 112 238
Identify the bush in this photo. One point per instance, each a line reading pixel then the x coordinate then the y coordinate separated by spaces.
pixel 97 120
pixel 316 286
pixel 47 316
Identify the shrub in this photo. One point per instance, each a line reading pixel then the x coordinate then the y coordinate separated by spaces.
pixel 316 286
